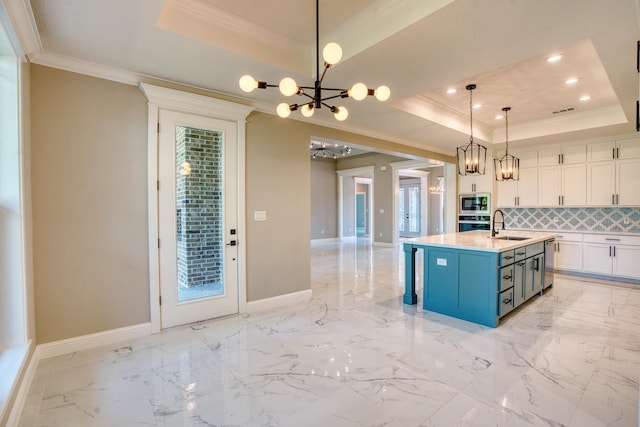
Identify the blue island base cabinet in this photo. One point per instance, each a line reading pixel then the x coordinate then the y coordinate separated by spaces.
pixel 462 284
pixel 475 277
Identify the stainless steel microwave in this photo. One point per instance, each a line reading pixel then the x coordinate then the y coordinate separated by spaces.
pixel 475 203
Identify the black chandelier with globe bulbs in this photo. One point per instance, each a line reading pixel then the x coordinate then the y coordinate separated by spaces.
pixel 332 53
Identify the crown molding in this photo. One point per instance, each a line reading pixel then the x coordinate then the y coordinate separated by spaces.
pixel 21 27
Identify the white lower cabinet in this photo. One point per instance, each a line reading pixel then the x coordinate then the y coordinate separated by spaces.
pixel 568 254
pixel 614 255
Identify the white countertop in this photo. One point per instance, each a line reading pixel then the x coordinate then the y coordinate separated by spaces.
pixel 481 240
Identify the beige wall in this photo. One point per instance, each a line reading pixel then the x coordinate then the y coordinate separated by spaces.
pixel 89 175
pixel 278 182
pixel 324 187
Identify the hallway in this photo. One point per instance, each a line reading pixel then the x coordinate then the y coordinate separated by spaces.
pixel 356 356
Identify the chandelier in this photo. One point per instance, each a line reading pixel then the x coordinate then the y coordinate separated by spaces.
pixel 507 167
pixel 472 158
pixel 332 53
pixel 332 151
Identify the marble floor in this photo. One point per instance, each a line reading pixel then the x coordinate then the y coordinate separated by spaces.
pixel 356 356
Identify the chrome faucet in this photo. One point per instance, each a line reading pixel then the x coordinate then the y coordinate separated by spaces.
pixel 494 232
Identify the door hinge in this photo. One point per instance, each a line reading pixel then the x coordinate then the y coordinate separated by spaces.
pixel 158 127
pixel 160 300
pixel 158 243
pixel 158 185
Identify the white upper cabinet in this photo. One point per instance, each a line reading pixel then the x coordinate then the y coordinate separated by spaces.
pixel 613 173
pixel 562 155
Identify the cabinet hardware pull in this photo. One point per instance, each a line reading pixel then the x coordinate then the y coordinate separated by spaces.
pixel 613 199
pixel 617 153
pixel 609 250
pixel 611 239
pixel 617 199
pixel 520 253
pixel 506 277
pixel 508 257
pixel 614 251
pixel 521 263
pixel 507 301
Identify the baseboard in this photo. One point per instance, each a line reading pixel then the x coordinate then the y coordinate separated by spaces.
pixel 279 301
pixel 86 342
pixel 23 390
pixel 329 240
pixel 384 244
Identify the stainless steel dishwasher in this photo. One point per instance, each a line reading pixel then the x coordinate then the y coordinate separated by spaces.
pixel 549 260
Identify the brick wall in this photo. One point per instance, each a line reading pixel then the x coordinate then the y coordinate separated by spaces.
pixel 199 206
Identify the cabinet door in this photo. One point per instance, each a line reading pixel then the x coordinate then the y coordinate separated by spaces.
pixel 528 159
pixel 625 261
pixel 538 274
pixel 529 274
pixel 484 182
pixel 518 282
pixel 574 185
pixel 628 180
pixel 507 192
pixel 528 187
pixel 574 155
pixel 601 178
pixel 597 258
pixel 549 157
pixel 549 185
pixel 629 149
pixel 569 256
pixel 600 151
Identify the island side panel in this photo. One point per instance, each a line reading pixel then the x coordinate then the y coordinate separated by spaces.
pixel 461 284
pixel 410 296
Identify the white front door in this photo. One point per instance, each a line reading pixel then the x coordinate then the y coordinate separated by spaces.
pixel 197 218
pixel 409 208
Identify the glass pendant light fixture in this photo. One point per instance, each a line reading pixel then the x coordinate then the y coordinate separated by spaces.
pixel 332 53
pixel 507 167
pixel 472 158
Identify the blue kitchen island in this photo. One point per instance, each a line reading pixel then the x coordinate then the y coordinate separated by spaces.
pixel 476 277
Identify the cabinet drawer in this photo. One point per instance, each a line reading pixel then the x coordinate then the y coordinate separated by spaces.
pixel 520 253
pixel 506 258
pixel 535 249
pixel 505 302
pixel 610 239
pixel 505 280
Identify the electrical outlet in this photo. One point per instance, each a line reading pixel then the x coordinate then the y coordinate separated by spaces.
pixel 626 221
pixel 379 234
pixel 556 219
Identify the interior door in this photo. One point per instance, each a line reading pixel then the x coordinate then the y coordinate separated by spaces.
pixel 361 223
pixel 197 205
pixel 409 208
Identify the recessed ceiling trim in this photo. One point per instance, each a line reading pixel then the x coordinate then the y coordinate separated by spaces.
pixel 577 121
pixel 211 25
pixel 379 21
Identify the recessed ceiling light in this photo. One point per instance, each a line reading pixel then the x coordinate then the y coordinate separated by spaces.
pixel 452 90
pixel 476 106
pixel 499 117
pixel 571 81
pixel 585 98
pixel 554 58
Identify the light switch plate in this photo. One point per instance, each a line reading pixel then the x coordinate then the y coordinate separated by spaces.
pixel 260 215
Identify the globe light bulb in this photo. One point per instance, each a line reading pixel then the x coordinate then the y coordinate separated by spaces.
pixel 248 83
pixel 358 91
pixel 307 110
pixel 332 53
pixel 383 93
pixel 341 114
pixel 288 86
pixel 283 110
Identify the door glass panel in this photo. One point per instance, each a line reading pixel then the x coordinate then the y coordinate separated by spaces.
pixel 401 218
pixel 199 213
pixel 414 209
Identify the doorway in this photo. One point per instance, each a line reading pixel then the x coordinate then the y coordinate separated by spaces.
pixel 197 218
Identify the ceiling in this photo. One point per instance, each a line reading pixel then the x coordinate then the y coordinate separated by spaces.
pixel 418 48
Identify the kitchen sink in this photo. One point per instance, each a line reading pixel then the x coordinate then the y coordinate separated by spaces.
pixel 511 238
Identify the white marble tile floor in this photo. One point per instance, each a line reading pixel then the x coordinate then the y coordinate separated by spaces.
pixel 355 355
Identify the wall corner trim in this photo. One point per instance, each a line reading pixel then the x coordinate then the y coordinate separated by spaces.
pixel 279 301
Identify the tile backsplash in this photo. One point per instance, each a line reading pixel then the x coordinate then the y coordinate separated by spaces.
pixel 600 219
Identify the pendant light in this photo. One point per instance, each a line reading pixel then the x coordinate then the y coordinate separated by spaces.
pixel 507 167
pixel 472 158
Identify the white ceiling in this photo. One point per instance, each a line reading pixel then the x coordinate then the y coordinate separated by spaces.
pixel 418 48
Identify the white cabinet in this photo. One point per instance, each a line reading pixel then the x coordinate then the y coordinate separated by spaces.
pixel 568 254
pixel 615 255
pixel 562 185
pixel 613 173
pixel 476 183
pixel 523 192
pixel 562 155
